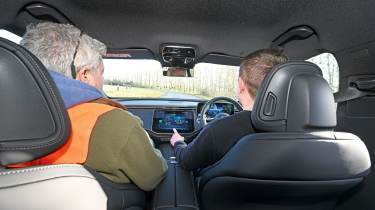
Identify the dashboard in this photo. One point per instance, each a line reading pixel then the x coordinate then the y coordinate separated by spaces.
pixel 161 116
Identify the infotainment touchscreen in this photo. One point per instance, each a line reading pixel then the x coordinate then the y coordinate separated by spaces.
pixel 165 120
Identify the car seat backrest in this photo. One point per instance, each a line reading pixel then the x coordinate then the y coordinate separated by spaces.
pixel 33 119
pixel 297 100
pixel 295 160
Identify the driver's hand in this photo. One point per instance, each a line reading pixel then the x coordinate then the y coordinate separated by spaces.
pixel 176 137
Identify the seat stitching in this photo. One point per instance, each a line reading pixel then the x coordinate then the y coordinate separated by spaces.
pixel 36 169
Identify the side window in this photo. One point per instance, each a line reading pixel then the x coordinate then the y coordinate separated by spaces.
pixel 327 62
pixel 10 36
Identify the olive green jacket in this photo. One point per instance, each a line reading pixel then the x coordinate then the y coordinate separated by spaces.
pixel 121 150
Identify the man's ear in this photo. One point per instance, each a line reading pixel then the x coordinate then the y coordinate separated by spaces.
pixel 82 75
pixel 241 85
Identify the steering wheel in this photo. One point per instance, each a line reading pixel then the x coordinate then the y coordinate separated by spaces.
pixel 203 117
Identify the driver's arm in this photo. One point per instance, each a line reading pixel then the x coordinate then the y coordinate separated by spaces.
pixel 199 153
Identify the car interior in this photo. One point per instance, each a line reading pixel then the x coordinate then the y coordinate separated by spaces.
pixel 312 148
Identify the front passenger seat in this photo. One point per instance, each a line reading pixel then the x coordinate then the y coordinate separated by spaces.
pixel 295 160
pixel 34 123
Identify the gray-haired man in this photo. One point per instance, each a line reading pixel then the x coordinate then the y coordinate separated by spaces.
pixel 104 136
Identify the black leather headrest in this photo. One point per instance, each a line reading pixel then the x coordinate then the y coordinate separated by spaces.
pixel 33 119
pixel 294 97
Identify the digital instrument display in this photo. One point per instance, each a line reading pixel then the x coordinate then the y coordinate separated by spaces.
pixel 164 121
pixel 217 108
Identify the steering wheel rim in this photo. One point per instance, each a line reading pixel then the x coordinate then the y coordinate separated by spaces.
pixel 202 117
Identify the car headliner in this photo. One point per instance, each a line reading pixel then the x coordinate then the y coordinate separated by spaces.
pixel 230 27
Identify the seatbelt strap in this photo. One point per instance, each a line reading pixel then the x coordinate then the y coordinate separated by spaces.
pixel 349 94
pixel 357 89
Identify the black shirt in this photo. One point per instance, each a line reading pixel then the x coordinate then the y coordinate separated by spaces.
pixel 214 141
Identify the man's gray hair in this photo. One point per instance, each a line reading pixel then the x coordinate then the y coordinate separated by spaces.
pixel 54 44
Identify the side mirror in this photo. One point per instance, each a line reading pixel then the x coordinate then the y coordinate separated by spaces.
pixel 178 72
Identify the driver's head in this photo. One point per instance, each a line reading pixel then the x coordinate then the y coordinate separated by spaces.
pixel 253 69
pixel 65 49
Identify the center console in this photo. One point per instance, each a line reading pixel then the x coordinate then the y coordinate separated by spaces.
pixel 177 190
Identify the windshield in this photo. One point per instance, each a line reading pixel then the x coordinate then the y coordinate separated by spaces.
pixel 128 78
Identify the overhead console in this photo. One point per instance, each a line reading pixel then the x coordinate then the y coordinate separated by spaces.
pixel 176 55
pixel 165 120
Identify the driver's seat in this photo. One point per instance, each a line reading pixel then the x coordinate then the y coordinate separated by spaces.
pixel 295 160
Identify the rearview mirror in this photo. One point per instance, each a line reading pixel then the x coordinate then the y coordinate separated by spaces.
pixel 178 72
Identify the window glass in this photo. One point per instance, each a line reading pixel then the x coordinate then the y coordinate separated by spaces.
pixel 327 62
pixel 144 79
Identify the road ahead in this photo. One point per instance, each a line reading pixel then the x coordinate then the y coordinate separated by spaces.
pixel 171 94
